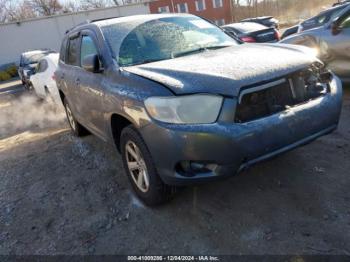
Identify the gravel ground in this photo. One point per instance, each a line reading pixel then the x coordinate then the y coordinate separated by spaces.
pixel 65 195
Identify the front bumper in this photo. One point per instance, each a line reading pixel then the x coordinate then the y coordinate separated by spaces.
pixel 234 146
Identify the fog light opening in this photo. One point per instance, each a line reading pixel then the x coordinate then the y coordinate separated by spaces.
pixel 193 168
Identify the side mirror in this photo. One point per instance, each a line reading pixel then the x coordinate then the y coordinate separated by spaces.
pixel 335 28
pixel 91 63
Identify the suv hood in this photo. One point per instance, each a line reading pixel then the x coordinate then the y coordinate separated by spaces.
pixel 226 70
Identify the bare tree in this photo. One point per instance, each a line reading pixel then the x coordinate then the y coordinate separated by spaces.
pixel 3 11
pixel 116 2
pixel 44 7
pixel 23 11
pixel 92 4
pixel 71 7
pixel 8 10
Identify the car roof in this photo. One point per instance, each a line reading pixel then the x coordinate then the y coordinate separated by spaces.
pixel 133 21
pixel 137 18
pixel 246 27
pixel 35 52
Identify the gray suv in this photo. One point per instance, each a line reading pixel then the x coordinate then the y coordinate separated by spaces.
pixel 185 103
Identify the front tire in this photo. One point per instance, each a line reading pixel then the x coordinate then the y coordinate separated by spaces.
pixel 141 171
pixel 77 129
pixel 28 86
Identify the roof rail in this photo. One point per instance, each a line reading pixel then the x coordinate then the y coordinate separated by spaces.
pixel 82 23
pixel 107 18
pixel 91 21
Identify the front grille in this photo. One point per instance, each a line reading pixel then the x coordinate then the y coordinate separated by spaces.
pixel 264 100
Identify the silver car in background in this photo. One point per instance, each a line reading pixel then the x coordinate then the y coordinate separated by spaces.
pixel 332 41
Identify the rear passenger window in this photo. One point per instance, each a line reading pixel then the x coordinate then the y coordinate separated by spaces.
pixel 73 47
pixel 87 47
pixel 42 66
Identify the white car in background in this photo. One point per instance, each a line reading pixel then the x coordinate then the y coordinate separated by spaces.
pixel 43 81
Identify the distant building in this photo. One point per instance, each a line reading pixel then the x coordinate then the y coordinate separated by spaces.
pixel 218 11
pixel 47 32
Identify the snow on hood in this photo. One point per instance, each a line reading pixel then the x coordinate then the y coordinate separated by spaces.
pixel 226 70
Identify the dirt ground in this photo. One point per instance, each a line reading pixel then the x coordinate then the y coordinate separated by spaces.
pixel 65 195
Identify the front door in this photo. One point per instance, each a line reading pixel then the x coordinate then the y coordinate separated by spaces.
pixel 89 87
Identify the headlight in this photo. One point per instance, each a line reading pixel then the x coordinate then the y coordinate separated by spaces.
pixel 191 109
pixel 320 73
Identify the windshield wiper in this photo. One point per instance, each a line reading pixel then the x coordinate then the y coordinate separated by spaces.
pixel 146 61
pixel 199 50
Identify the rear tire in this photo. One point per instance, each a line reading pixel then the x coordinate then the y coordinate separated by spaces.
pixel 27 86
pixel 77 129
pixel 138 162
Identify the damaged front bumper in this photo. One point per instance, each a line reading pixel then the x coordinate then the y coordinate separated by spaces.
pixel 187 154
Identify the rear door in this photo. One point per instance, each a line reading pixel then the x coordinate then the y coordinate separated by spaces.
pixel 68 75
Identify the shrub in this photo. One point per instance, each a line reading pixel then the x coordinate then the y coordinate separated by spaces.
pixel 12 70
pixel 4 76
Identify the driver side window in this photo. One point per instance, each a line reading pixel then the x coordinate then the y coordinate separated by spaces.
pixel 87 48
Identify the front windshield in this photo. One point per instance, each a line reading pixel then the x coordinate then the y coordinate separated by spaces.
pixel 166 38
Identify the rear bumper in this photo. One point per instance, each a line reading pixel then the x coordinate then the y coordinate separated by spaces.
pixel 231 147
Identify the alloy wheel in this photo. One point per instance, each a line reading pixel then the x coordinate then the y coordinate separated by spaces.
pixel 70 117
pixel 137 166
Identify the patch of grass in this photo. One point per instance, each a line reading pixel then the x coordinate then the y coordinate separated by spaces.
pixel 8 72
pixel 4 76
pixel 12 70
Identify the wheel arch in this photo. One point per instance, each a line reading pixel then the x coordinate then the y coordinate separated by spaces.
pixel 118 123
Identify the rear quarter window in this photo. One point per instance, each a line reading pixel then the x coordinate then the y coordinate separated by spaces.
pixel 42 66
pixel 63 50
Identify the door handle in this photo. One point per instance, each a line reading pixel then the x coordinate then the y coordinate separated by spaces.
pixel 62 76
pixel 77 81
